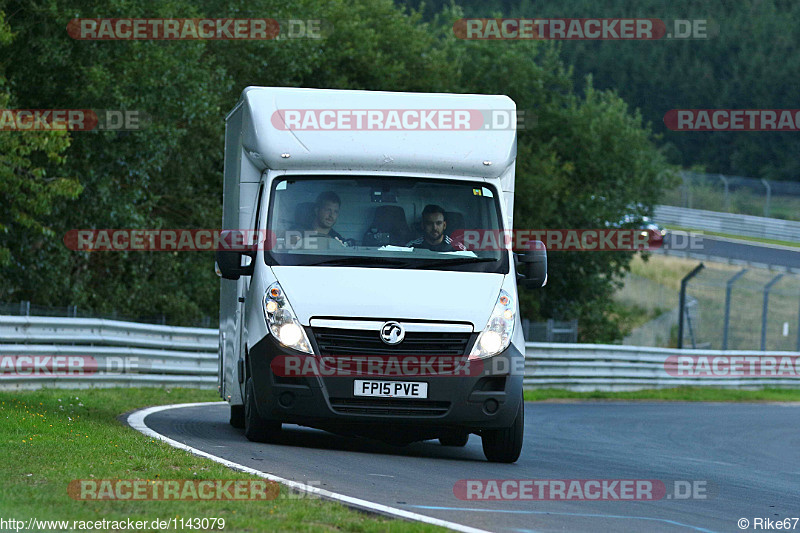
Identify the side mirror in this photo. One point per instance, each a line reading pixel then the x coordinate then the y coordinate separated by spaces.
pixel 230 251
pixel 534 265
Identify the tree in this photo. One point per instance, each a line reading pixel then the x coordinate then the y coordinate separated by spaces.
pixel 582 162
pixel 29 191
pixel 169 173
pixel 748 61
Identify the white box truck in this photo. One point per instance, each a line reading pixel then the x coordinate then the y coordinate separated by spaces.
pixel 355 199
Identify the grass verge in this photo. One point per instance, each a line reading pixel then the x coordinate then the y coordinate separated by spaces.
pixel 669 270
pixel 708 289
pixel 51 437
pixel 677 394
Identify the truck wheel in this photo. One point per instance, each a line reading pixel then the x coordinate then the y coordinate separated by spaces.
pixel 504 445
pixel 237 416
pixel 257 428
pixel 455 439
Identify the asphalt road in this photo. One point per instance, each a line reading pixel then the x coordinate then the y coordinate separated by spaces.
pixel 738 250
pixel 747 456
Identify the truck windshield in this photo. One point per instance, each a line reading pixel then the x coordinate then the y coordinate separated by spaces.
pixel 393 222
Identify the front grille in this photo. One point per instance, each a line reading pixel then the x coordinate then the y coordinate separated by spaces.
pixel 332 341
pixel 392 407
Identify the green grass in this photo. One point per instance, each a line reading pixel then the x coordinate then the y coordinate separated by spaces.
pixel 677 394
pixel 668 270
pixel 739 237
pixel 51 437
pixel 630 317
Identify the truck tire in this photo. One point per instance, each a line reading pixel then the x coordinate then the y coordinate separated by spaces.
pixel 237 416
pixel 456 439
pixel 257 428
pixel 505 445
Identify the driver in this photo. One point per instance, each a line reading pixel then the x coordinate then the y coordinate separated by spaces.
pixel 433 237
pixel 326 213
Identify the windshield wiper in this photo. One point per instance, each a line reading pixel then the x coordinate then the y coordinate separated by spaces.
pixel 459 261
pixel 353 261
pixel 383 261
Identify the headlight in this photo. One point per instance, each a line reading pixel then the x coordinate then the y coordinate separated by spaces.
pixel 496 336
pixel 282 321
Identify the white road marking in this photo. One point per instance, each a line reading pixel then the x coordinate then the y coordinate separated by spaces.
pixel 558 513
pixel 136 421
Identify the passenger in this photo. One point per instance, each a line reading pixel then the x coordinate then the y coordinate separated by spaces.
pixel 434 237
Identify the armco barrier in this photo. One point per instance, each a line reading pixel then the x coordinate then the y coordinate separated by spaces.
pixel 128 354
pixel 729 223
pixel 109 353
pixel 611 367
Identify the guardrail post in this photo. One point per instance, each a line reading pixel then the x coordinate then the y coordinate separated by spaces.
pixel 769 197
pixel 684 190
pixel 798 330
pixel 767 288
pixel 728 289
pixel 693 302
pixel 25 308
pixel 682 302
pixel 687 183
pixel 727 193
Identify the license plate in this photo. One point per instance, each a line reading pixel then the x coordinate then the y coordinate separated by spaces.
pixel 390 389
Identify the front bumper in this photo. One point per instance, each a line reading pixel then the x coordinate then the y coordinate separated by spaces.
pixel 488 399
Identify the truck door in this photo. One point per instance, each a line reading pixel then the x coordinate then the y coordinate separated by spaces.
pixel 243 306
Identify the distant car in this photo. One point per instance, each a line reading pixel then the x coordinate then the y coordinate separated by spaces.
pixel 655 232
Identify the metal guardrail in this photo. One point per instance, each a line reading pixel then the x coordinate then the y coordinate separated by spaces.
pixel 611 367
pixel 730 223
pixel 551 330
pixel 118 354
pixel 736 194
pixel 100 331
pixel 61 352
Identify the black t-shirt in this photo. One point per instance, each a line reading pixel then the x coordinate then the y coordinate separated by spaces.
pixel 447 245
pixel 333 234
